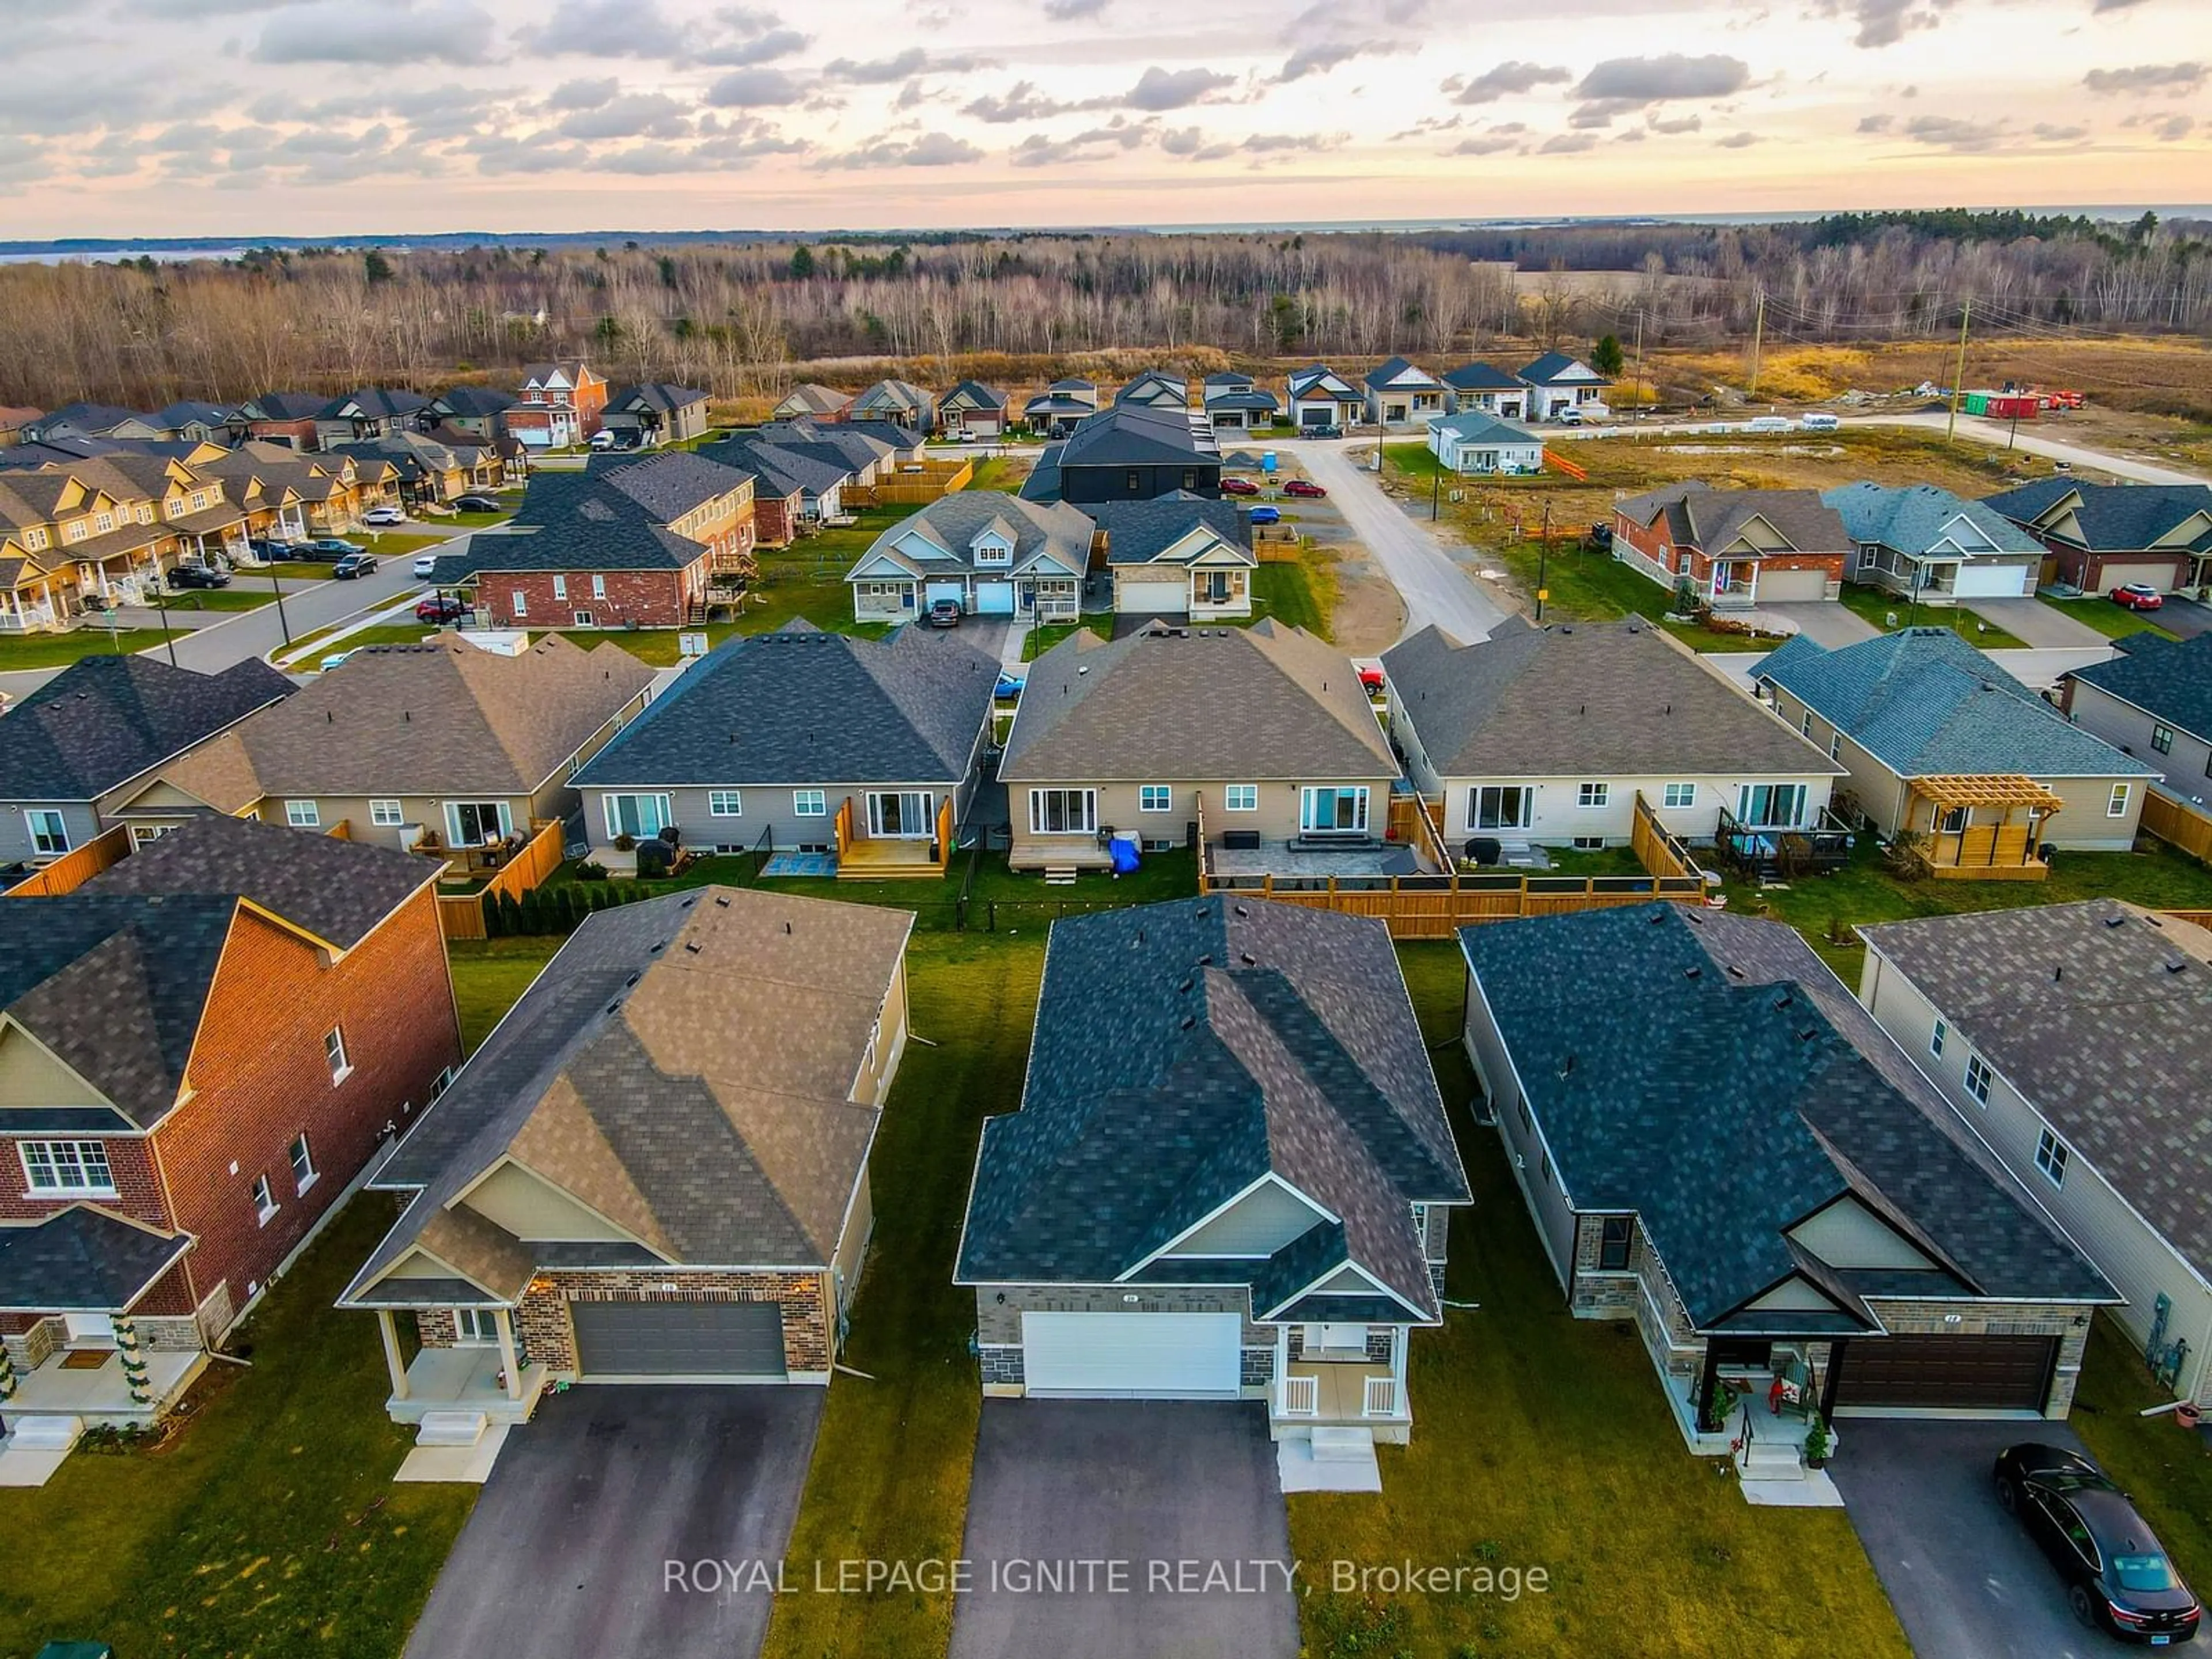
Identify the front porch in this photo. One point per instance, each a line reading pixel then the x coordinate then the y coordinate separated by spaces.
pixel 490 1380
pixel 92 1385
pixel 1341 1394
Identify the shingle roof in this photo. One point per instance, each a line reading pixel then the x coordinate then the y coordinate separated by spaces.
pixel 1925 703
pixel 107 719
pixel 189 412
pixel 975 395
pixel 2116 518
pixel 2044 995
pixel 1733 1088
pixel 952 522
pixel 1480 376
pixel 1138 531
pixel 685 1066
pixel 1185 1050
pixel 374 401
pixel 817 398
pixel 285 406
pixel 1261 703
pixel 777 469
pixel 84 1260
pixel 802 706
pixel 2170 681
pixel 612 516
pixel 658 396
pixel 1549 366
pixel 1584 699
pixel 1136 434
pixel 1913 519
pixel 1152 383
pixel 1473 427
pixel 1711 520
pixel 476 400
pixel 1244 397
pixel 1380 380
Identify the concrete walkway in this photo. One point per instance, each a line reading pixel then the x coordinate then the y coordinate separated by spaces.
pixel 1825 621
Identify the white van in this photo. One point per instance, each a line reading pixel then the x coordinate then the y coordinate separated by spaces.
pixel 1821 423
pixel 1767 423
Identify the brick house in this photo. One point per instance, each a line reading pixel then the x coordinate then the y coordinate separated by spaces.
pixel 1737 547
pixel 2104 536
pixel 558 406
pixel 279 417
pixel 372 412
pixel 657 1166
pixel 630 542
pixel 200 1048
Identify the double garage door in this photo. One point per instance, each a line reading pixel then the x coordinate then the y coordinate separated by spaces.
pixel 1132 1355
pixel 1792 586
pixel 1969 1373
pixel 678 1339
pixel 1154 598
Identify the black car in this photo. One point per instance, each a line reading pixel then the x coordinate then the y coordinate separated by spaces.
pixel 943 613
pixel 275 549
pixel 354 564
pixel 479 504
pixel 2117 1577
pixel 198 575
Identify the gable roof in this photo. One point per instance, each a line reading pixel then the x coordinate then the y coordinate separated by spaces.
pixel 2036 992
pixel 1734 1088
pixel 1592 699
pixel 104 719
pixel 1138 533
pixel 1481 377
pixel 84 1259
pixel 779 470
pixel 973 394
pixel 952 524
pixel 1277 704
pixel 614 515
pixel 1400 372
pixel 284 406
pixel 1553 365
pixel 373 402
pixel 1139 434
pixel 2168 680
pixel 477 401
pixel 1319 380
pixel 657 396
pixel 1912 520
pixel 1698 516
pixel 685 1066
pixel 1185 1050
pixel 2116 518
pixel 1472 426
pixel 1925 703
pixel 815 398
pixel 802 706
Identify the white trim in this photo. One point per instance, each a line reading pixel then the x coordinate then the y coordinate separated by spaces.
pixel 1220 1210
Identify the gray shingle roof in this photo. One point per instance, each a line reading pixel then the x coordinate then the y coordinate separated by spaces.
pixel 107 719
pixel 84 1260
pixel 1480 376
pixel 1138 434
pixel 1261 703
pixel 1711 520
pixel 1547 368
pixel 1926 704
pixel 372 402
pixel 803 707
pixel 777 469
pixel 1380 380
pixel 1138 531
pixel 658 396
pixel 973 394
pixel 612 516
pixel 474 400
pixel 1734 1087
pixel 1185 1050
pixel 952 522
pixel 2117 517
pixel 1473 427
pixel 1589 699
pixel 2080 1007
pixel 287 406
pixel 1912 520
pixel 2171 682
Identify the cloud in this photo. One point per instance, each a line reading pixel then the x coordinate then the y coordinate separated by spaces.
pixel 1487 143
pixel 2050 135
pixel 582 94
pixel 396 33
pixel 1736 141
pixel 1193 143
pixel 1954 133
pixel 496 153
pixel 1160 89
pixel 930 149
pixel 1669 126
pixel 1039 151
pixel 2176 80
pixel 1567 143
pixel 756 89
pixel 1067 11
pixel 1512 76
pixel 2114 5
pixel 761 49
pixel 1885 23
pixel 1638 81
pixel 606 28
pixel 882 71
pixel 1275 143
pixel 1632 136
pixel 1876 123
pixel 1322 58
pixel 639 115
pixel 2168 128
pixel 1023 101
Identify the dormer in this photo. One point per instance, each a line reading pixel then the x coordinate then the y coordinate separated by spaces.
pixel 994 546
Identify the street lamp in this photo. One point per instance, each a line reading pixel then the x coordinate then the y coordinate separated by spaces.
pixel 276 588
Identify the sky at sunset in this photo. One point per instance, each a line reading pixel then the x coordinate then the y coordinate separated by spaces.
pixel 312 118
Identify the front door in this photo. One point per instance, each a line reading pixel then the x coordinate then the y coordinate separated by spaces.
pixel 89 1330
pixel 901 814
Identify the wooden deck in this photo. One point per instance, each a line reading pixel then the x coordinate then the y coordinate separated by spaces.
pixel 887 860
pixel 1074 852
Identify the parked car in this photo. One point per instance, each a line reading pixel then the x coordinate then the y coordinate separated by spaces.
pixel 1322 432
pixel 479 504
pixel 1239 487
pixel 1009 686
pixel 1570 417
pixel 2138 596
pixel 425 565
pixel 1371 679
pixel 335 660
pixel 354 564
pixel 384 515
pixel 1304 487
pixel 277 549
pixel 1822 422
pixel 1266 515
pixel 603 440
pixel 198 575
pixel 327 547
pixel 2118 1577
pixel 441 608
pixel 943 613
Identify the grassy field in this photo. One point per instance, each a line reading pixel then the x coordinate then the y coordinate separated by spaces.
pixel 1303 594
pixel 1877 606
pixel 59 650
pixel 1002 472
pixel 2168 1470
pixel 2113 621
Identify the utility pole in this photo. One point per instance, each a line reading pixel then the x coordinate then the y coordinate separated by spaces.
pixel 1543 560
pixel 1959 374
pixel 281 621
pixel 1758 339
pixel 1640 358
pixel 1436 488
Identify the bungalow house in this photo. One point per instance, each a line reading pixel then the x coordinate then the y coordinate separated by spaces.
pixel 1734 548
pixel 1263 735
pixel 2152 700
pixel 288 418
pixel 1401 393
pixel 1321 397
pixel 191 421
pixel 1155 388
pixel 320 495
pixel 494 462
pixel 1236 402
pixel 901 403
pixel 627 543
pixel 14 417
pixel 1942 744
pixel 652 413
pixel 1558 383
pixel 2105 536
pixel 82 420
pixel 1927 544
pixel 1478 388
pixel 812 402
pixel 415 747
pixel 972 410
pixel 479 410
pixel 84 742
pixel 425 471
pixel 866 451
pixel 558 406
pixel 737 754
pixel 1056 411
pixel 372 412
pixel 1737 1159
pixel 1178 555
pixel 996 554
pixel 1135 452
pixel 1480 444
pixel 1562 736
pixel 794 487
pixel 1230 1176
pixel 656 1168
pixel 200 1050
pixel 2012 1014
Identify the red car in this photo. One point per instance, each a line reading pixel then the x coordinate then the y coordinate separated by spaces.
pixel 1239 487
pixel 1371 679
pixel 440 608
pixel 2138 596
pixel 1304 487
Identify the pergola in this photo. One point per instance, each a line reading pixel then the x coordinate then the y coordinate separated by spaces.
pixel 2006 792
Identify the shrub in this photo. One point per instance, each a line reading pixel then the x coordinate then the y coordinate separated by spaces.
pixel 590 870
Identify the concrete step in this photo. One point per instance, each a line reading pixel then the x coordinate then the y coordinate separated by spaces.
pixel 1771 1459
pixel 45 1431
pixel 451 1428
pixel 1343 1445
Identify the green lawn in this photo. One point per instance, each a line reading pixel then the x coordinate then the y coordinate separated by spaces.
pixel 489 975
pixel 1041 640
pixel 2113 621
pixel 269 1524
pixel 391 544
pixel 1303 594
pixel 1588 586
pixel 1001 473
pixel 1542 1441
pixel 2167 1469
pixel 1877 606
pixel 219 598
pixel 59 650
pixel 305 570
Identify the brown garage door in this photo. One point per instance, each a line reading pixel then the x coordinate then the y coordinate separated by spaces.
pixel 1991 1373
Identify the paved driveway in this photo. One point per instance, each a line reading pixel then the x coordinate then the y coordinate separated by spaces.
pixel 1170 1490
pixel 565 1556
pixel 2184 616
pixel 2044 628
pixel 1826 623
pixel 1966 1580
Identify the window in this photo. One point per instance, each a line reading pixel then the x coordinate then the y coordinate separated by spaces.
pixel 477 823
pixel 1805 724
pixel 598 587
pixel 1501 806
pixel 264 1201
pixel 518 604
pixel 2161 739
pixel 1241 798
pixel 1978 1077
pixel 1588 843
pixel 993 552
pixel 474 1327
pixel 1328 810
pixel 334 1051
pixel 1771 806
pixel 581 619
pixel 725 804
pixel 1614 1232
pixel 67 1166
pixel 302 814
pixel 385 813
pixel 2051 1157
pixel 1593 794
pixel 49 831
pixel 1135 482
pixel 103 522
pixel 1063 811
pixel 1955 820
pixel 2116 807
pixel 808 804
pixel 561 588
pixel 145 834
pixel 304 1173
pixel 1936 1036
pixel 1679 795
pixel 1835 745
pixel 638 816
pixel 902 814
pixel 1154 797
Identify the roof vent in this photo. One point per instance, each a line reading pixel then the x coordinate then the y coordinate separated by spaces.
pixel 1734 972
pixel 691 948
pixel 1190 1020
pixel 1783 1000
pixel 2115 921
pixel 787 930
pixel 1207 960
pixel 689 902
pixel 2058 973
pixel 1567 1069
pixel 1808 1034
pixel 1185 986
pixel 614 1007
pixel 1249 959
pixel 2177 966
pixel 1693 973
pixel 721 902
pixel 632 980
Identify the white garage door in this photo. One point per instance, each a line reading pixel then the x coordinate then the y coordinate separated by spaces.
pixel 932 592
pixel 1995 582
pixel 1154 598
pixel 1792 586
pixel 994 598
pixel 1132 1355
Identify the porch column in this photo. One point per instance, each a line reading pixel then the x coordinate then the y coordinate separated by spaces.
pixel 503 1320
pixel 388 1329
pixel 7 1375
pixel 1282 1370
pixel 1402 1338
pixel 134 1362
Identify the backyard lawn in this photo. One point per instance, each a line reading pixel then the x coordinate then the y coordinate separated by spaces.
pixel 1300 593
pixel 489 975
pixel 59 650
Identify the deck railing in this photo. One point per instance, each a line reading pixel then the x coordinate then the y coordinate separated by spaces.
pixel 73 869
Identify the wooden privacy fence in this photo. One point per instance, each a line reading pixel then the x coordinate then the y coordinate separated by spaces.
pixel 911 485
pixel 461 915
pixel 2178 823
pixel 1437 907
pixel 72 870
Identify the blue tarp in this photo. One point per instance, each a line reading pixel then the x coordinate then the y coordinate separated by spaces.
pixel 1122 849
